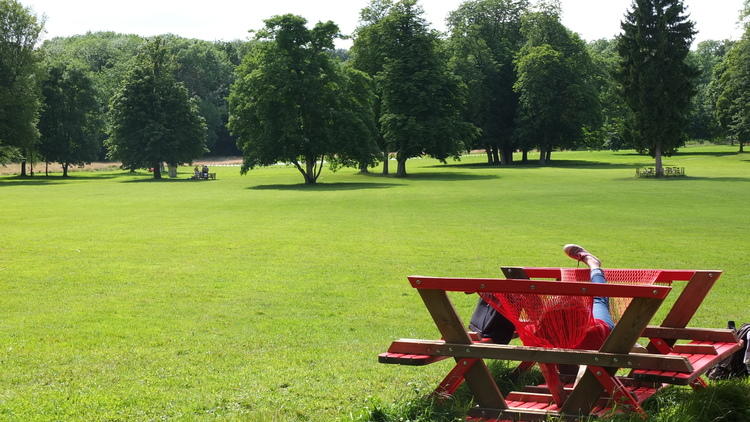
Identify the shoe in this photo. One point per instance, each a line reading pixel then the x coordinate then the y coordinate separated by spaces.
pixel 578 252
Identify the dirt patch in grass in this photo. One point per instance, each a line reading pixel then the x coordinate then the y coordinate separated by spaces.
pixel 39 168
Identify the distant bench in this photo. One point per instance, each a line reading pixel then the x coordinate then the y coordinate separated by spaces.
pixel 668 171
pixel 203 176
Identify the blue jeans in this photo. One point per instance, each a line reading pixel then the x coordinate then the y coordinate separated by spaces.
pixel 601 304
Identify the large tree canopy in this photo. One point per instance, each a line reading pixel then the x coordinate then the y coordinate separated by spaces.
pixel 293 103
pixel 421 99
pixel 19 93
pixel 69 121
pixel 152 117
pixel 732 89
pixel 485 38
pixel 656 77
pixel 556 85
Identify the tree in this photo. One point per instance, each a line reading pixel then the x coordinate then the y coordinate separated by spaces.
pixel 152 117
pixel 206 71
pixel 732 86
pixel 556 86
pixel 702 121
pixel 614 109
pixel 421 99
pixel 485 38
pixel 106 58
pixel 368 55
pixel 357 116
pixel 19 89
pixel 292 102
pixel 656 78
pixel 68 122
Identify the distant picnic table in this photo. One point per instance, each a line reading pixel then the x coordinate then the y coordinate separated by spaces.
pixel 668 171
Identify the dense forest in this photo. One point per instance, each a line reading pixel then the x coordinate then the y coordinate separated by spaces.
pixel 507 76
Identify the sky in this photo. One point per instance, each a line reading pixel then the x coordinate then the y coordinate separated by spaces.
pixel 231 19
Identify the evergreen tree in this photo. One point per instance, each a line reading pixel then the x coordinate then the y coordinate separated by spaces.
pixel 656 77
pixel 68 123
pixel 152 117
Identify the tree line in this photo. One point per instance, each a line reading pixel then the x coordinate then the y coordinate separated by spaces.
pixel 506 77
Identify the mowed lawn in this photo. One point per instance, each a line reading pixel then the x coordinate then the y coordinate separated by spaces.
pixel 258 298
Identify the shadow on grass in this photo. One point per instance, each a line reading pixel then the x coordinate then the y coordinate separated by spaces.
pixel 441 176
pixel 705 153
pixel 48 180
pixel 420 406
pixel 580 164
pixel 150 179
pixel 326 186
pixel 688 178
pixel 721 401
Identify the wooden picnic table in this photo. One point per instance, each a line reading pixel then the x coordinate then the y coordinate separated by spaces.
pixel 600 389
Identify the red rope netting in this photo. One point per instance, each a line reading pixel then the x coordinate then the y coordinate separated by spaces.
pixel 617 305
pixel 562 321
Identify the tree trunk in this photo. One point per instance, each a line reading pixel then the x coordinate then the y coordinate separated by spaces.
pixel 172 170
pixel 310 171
pixel 157 170
pixel 742 149
pixel 657 159
pixel 549 155
pixel 65 169
pixel 23 167
pixel 489 155
pixel 46 168
pixel 542 155
pixel 495 156
pixel 363 168
pixel 401 172
pixel 385 162
pixel 525 156
pixel 507 155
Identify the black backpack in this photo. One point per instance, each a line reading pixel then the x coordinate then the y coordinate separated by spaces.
pixel 488 322
pixel 735 366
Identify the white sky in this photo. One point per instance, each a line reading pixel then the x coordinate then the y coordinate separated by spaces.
pixel 228 20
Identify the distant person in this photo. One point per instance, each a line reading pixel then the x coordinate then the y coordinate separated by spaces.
pixel 205 172
pixel 196 173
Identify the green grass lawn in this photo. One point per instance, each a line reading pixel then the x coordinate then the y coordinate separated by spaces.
pixel 258 298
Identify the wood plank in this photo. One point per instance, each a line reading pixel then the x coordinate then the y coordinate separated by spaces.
pixel 478 378
pixel 689 301
pixel 681 333
pixel 521 414
pixel 695 349
pixel 524 396
pixel 621 340
pixel 578 288
pixel 541 354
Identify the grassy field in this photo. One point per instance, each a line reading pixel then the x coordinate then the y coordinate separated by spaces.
pixel 258 298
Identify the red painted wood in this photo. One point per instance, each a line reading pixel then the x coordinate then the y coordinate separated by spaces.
pixel 666 276
pixel 538 287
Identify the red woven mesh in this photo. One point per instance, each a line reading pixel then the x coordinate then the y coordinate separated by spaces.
pixel 562 321
pixel 545 320
pixel 617 305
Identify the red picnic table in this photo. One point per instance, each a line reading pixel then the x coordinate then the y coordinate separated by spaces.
pixel 637 293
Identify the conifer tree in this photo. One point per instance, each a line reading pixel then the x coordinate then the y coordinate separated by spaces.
pixel 656 78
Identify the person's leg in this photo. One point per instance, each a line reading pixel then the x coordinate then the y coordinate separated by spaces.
pixel 601 304
pixel 600 309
